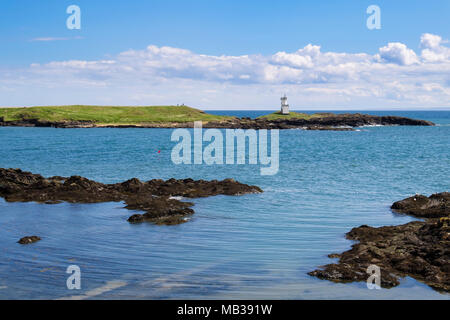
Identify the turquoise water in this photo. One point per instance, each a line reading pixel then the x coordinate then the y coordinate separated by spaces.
pixel 252 246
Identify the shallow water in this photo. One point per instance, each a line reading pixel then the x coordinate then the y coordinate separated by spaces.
pixel 251 246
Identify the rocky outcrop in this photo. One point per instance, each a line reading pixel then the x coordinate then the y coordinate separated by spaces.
pixel 419 249
pixel 29 239
pixel 328 121
pixel 154 196
pixel 434 206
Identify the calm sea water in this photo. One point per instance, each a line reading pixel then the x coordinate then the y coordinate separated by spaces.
pixel 252 246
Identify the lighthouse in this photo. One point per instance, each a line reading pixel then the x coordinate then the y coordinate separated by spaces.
pixel 284 105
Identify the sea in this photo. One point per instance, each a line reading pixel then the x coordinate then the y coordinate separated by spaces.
pixel 255 246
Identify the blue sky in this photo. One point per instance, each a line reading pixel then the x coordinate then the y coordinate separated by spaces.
pixel 214 28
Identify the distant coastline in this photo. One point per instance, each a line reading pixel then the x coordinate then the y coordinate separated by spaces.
pixel 184 117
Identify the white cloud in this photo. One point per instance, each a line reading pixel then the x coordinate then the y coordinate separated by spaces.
pixel 48 39
pixel 292 59
pixel 396 52
pixel 396 76
pixel 430 41
pixel 433 49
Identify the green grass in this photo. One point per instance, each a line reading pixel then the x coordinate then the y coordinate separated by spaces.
pixel 110 114
pixel 293 115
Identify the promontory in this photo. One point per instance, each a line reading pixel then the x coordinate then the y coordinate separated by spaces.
pixel 79 116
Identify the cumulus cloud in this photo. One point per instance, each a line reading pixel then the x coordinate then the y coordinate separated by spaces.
pixel 430 41
pixel 396 75
pixel 396 52
pixel 433 48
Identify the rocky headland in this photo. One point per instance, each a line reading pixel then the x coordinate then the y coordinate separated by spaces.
pixel 327 121
pixel 154 197
pixel 419 249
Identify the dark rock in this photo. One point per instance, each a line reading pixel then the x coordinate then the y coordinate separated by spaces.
pixel 153 197
pixel 419 249
pixel 28 240
pixel 328 121
pixel 434 206
pixel 157 208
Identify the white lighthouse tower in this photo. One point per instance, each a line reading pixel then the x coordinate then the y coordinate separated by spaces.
pixel 284 105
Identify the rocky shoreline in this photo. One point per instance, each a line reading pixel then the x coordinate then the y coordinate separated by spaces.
pixel 154 197
pixel 419 249
pixel 336 122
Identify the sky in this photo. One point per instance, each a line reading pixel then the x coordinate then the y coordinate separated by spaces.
pixel 226 54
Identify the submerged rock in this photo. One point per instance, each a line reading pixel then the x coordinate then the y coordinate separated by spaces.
pixel 28 240
pixel 159 210
pixel 419 249
pixel 153 197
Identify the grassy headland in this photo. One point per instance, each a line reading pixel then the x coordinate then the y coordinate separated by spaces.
pixel 183 117
pixel 110 115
